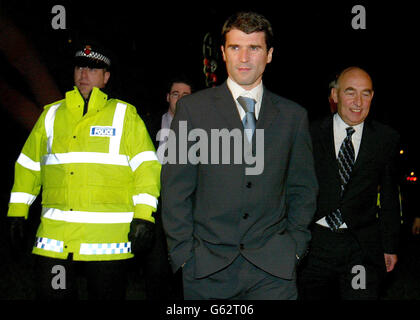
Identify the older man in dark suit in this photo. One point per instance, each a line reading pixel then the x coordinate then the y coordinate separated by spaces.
pixel 354 240
pixel 236 230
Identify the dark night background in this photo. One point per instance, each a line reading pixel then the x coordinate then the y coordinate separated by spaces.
pixel 151 42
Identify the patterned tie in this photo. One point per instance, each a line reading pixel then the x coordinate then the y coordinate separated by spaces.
pixel 345 166
pixel 248 104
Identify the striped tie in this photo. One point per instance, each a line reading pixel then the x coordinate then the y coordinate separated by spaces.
pixel 345 166
pixel 248 104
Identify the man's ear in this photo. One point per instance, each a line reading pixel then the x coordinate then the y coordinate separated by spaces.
pixel 223 52
pixel 107 75
pixel 334 94
pixel 270 55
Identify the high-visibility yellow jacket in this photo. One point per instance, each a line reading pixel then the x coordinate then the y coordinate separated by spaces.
pixel 97 171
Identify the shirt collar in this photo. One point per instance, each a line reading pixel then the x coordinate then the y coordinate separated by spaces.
pixel 237 90
pixel 166 120
pixel 341 126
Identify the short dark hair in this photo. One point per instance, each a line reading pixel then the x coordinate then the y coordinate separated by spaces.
pixel 180 79
pixel 249 22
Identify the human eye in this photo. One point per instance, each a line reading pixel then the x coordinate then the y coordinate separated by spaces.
pixel 350 93
pixel 367 94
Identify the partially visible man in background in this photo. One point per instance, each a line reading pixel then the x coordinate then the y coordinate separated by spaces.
pixel 178 88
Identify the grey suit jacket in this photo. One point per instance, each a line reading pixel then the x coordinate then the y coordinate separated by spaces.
pixel 213 212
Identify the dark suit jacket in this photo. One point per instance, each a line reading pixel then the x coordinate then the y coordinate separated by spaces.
pixel 374 170
pixel 213 212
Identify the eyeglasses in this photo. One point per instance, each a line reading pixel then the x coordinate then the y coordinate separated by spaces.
pixel 177 95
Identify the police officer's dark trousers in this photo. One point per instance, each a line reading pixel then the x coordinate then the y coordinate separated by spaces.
pixel 58 279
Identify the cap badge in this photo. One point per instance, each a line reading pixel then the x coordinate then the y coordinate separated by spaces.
pixel 87 50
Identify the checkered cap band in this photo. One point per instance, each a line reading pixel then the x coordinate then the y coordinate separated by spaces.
pixel 94 55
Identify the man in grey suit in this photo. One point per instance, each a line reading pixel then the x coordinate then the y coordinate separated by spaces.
pixel 238 233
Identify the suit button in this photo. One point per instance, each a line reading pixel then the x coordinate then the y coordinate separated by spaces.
pixel 245 216
pixel 249 184
pixel 241 246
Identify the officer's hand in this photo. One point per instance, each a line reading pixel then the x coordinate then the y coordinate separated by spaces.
pixel 17 235
pixel 142 235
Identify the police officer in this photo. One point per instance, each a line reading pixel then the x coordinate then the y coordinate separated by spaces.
pixel 100 178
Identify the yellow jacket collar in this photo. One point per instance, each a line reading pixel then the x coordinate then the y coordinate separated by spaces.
pixel 97 99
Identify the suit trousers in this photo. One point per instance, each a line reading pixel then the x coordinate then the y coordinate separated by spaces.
pixel 335 269
pixel 241 280
pixel 58 279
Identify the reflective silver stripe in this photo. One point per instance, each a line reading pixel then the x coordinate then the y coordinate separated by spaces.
pixel 118 124
pixel 49 244
pixel 86 216
pixel 142 157
pixel 113 157
pixel 22 197
pixel 49 125
pixel 85 157
pixel 28 163
pixel 105 248
pixel 144 198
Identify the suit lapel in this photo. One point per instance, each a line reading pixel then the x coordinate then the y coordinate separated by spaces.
pixel 367 142
pixel 268 111
pixel 327 141
pixel 226 107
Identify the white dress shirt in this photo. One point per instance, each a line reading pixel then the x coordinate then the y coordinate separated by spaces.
pixel 340 133
pixel 255 93
pixel 163 134
pixel 165 124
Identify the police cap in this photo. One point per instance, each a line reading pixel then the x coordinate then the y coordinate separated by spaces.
pixel 92 56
